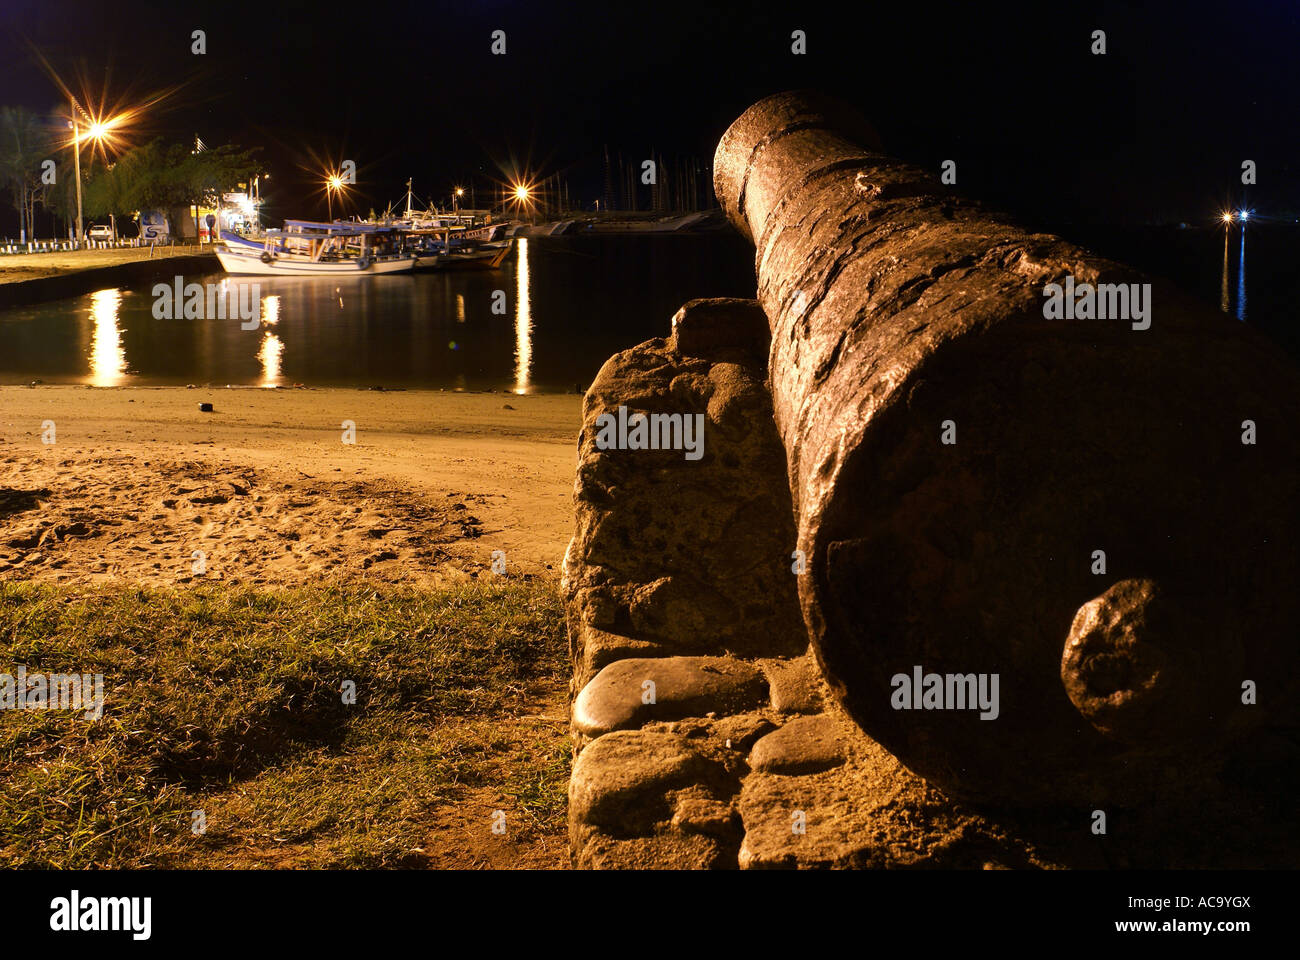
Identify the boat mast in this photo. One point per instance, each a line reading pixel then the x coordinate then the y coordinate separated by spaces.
pixel 408 198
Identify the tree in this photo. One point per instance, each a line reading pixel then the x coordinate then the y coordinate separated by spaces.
pixel 160 176
pixel 25 141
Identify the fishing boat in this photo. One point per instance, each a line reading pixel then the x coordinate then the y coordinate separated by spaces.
pixel 460 240
pixel 441 250
pixel 487 256
pixel 309 248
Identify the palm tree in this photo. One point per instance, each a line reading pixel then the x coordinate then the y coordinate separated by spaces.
pixel 25 141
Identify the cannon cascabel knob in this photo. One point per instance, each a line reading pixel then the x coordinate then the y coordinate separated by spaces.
pixel 1119 668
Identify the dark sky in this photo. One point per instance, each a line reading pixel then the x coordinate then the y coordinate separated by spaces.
pixel 1156 128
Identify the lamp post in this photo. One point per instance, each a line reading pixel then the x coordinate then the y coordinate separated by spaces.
pixel 76 166
pixel 98 130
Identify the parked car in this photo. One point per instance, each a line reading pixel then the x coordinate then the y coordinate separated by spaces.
pixel 99 231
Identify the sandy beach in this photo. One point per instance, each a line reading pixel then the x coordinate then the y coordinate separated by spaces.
pixel 140 485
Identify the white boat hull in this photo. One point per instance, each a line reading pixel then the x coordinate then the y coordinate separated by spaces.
pixel 286 266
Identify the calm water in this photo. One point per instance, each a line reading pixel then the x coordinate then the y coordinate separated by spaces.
pixel 1249 275
pixel 569 305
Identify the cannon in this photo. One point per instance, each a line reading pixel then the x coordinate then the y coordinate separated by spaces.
pixel 1020 473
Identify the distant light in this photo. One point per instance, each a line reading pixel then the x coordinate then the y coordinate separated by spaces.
pixel 335 183
pixel 1245 215
pixel 460 191
pixel 1227 217
pixel 521 192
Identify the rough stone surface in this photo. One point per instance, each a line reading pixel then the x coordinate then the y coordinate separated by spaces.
pixel 871 812
pixel 664 548
pixel 662 851
pixel 708 328
pixel 697 812
pixel 802 745
pixel 796 685
pixel 595 649
pixel 622 782
pixel 619 698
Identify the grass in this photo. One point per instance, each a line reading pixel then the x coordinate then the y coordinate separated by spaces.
pixel 229 701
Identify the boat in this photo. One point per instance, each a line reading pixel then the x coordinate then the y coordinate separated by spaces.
pixel 460 240
pixel 443 249
pixel 310 248
pixel 485 257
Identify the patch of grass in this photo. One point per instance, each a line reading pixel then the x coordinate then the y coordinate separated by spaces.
pixel 230 701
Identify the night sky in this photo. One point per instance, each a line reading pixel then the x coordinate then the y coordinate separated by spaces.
pixel 1154 130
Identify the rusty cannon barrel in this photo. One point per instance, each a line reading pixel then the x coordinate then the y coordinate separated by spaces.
pixel 1046 504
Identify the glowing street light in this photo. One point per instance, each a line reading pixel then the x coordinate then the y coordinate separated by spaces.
pixel 1227 216
pixel 98 130
pixel 333 184
pixel 522 195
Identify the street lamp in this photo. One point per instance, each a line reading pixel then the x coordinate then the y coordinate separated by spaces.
pixel 98 131
pixel 333 184
pixel 455 200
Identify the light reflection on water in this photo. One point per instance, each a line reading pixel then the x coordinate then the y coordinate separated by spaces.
pixel 523 319
pixel 271 353
pixel 1241 278
pixel 107 355
pixel 1225 303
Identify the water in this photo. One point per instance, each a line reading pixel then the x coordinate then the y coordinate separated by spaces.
pixel 1213 264
pixel 569 304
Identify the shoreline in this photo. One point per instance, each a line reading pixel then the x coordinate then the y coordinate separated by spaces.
pixel 39 277
pixel 269 489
